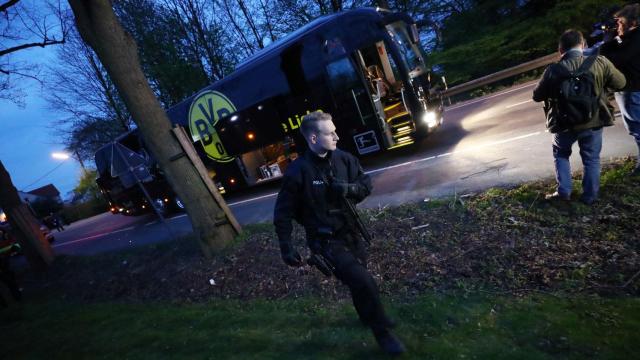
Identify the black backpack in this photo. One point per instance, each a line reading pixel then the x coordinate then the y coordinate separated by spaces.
pixel 575 97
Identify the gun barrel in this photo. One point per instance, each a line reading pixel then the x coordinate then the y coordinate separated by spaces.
pixel 363 230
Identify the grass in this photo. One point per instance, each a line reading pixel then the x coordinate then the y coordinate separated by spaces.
pixel 434 325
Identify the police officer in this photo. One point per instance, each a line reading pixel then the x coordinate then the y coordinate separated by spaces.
pixel 312 193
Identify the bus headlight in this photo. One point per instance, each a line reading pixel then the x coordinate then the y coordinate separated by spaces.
pixel 430 119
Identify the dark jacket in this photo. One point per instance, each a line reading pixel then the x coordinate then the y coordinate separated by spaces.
pixel 306 197
pixel 606 76
pixel 626 57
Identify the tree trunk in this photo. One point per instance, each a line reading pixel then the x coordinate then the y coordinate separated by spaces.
pixel 336 5
pixel 24 225
pixel 117 51
pixel 383 4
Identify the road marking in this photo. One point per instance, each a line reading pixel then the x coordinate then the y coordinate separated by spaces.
pixel 520 103
pixel 471 102
pixel 473 148
pixel 253 199
pixel 125 229
pixel 92 237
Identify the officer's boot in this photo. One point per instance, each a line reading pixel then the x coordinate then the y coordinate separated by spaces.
pixel 388 342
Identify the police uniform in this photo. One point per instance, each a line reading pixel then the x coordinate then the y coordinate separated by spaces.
pixel 307 197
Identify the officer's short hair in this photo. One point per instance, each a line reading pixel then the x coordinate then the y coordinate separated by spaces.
pixel 631 13
pixel 310 121
pixel 570 39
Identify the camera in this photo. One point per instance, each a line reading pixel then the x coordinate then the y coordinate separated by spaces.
pixel 606 28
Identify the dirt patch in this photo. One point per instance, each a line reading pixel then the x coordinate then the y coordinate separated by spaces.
pixel 502 240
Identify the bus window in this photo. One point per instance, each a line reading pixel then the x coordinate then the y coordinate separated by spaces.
pixel 342 75
pixel 411 56
pixel 269 162
pixel 292 68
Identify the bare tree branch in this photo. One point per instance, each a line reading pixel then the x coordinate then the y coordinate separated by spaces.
pixel 46 42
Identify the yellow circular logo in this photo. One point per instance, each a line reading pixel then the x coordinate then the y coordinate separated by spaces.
pixel 207 108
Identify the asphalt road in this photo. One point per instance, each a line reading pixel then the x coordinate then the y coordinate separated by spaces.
pixel 497 140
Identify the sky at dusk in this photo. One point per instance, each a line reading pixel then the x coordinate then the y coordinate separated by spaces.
pixel 27 138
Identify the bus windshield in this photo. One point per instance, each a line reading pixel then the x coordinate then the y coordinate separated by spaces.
pixel 410 53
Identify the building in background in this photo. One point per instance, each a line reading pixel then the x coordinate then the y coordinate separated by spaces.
pixel 47 192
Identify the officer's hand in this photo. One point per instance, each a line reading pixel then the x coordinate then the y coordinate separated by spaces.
pixel 344 188
pixel 291 257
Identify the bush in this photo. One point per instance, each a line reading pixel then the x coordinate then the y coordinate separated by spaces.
pixel 83 210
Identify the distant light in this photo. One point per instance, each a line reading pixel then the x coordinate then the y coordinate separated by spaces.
pixel 59 156
pixel 234 118
pixel 260 107
pixel 233 181
pixel 250 136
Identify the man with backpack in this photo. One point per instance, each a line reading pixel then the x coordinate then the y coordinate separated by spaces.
pixel 574 93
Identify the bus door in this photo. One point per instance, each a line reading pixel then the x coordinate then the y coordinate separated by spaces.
pixel 386 81
pixel 355 108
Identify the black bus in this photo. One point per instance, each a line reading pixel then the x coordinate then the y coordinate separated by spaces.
pixel 362 66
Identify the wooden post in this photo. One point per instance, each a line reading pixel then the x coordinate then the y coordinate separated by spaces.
pixel 190 152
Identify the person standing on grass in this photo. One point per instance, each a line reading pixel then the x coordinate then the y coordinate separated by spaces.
pixel 314 190
pixel 573 91
pixel 624 53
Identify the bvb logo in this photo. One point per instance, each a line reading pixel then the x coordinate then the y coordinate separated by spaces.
pixel 207 108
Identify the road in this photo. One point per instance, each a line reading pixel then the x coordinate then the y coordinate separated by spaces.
pixel 497 140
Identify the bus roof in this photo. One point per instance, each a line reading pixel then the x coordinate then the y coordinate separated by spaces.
pixel 278 47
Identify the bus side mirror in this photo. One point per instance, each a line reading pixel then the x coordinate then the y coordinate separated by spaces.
pixel 414 36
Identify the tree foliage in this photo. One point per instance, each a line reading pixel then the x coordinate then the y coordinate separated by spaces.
pixel 492 35
pixel 173 68
pixel 46 206
pixel 87 189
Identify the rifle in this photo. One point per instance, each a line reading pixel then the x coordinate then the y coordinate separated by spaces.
pixel 358 221
pixel 321 263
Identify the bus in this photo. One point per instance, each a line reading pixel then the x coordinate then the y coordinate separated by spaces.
pixel 364 66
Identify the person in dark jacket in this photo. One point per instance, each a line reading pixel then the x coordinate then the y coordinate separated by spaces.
pixel 588 133
pixel 624 53
pixel 313 191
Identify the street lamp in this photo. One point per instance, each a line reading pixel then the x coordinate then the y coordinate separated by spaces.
pixel 64 156
pixel 60 155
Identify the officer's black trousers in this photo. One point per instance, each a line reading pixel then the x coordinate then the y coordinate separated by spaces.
pixel 350 263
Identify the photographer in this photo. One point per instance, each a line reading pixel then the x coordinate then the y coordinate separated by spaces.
pixel 314 192
pixel 624 52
